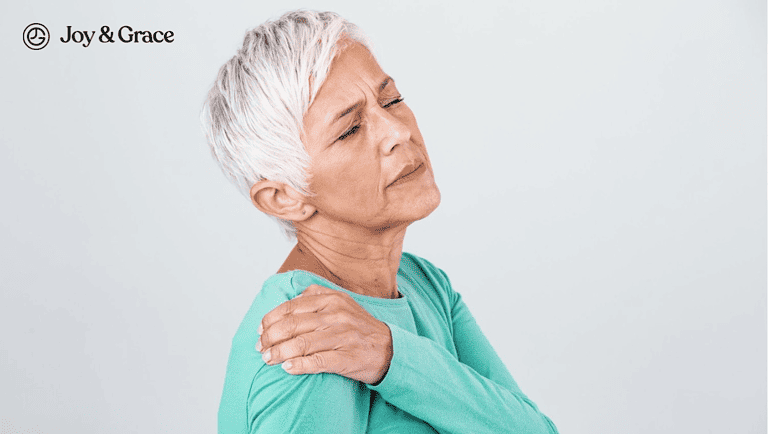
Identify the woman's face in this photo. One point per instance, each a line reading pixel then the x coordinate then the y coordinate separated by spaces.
pixel 369 166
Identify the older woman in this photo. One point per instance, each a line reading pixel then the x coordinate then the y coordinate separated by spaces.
pixel 351 335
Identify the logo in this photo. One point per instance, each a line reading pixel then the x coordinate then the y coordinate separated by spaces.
pixel 36 36
pixel 125 34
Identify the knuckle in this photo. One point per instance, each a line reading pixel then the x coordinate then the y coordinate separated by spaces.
pixel 302 345
pixel 318 360
pixel 266 337
pixel 344 316
pixel 270 317
pixel 342 299
pixel 276 352
pixel 265 320
pixel 292 324
pixel 277 333
pixel 352 337
pixel 288 306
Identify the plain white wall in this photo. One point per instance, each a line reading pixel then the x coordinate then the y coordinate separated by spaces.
pixel 603 170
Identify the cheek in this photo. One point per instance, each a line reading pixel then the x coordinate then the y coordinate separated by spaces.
pixel 349 181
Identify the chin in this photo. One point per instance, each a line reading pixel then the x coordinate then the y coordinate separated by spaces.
pixel 425 204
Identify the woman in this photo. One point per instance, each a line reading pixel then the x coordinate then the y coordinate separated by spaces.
pixel 351 335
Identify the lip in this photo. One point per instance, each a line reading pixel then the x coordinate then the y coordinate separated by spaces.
pixel 407 173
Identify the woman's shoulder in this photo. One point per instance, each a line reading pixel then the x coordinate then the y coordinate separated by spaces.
pixel 280 286
pixel 277 289
pixel 251 386
pixel 424 274
pixel 411 264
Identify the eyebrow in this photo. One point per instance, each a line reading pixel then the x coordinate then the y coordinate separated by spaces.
pixel 349 109
pixel 385 83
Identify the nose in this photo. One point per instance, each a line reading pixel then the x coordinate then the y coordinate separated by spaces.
pixel 391 131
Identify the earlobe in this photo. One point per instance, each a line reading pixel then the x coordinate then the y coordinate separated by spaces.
pixel 280 200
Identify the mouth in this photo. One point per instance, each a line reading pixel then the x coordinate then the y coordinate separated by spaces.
pixel 408 173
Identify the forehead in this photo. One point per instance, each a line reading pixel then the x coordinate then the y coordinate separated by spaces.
pixel 354 75
pixel 354 66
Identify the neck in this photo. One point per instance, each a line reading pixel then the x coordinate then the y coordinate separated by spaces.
pixel 360 261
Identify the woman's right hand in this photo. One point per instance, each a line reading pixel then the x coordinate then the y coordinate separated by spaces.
pixel 325 330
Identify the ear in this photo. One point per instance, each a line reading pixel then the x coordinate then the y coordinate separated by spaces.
pixel 280 200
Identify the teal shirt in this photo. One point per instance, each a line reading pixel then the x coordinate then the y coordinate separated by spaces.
pixel 444 376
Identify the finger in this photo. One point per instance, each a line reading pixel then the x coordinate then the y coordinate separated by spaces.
pixel 315 301
pixel 291 326
pixel 301 346
pixel 331 362
pixel 291 307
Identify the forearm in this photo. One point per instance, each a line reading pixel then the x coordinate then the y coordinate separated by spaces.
pixel 427 381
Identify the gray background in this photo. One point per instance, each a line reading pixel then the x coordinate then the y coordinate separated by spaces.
pixel 603 170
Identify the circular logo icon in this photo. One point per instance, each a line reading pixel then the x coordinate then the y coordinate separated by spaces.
pixel 36 36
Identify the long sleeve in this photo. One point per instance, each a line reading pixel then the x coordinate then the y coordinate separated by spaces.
pixel 473 392
pixel 444 374
pixel 318 404
pixel 259 398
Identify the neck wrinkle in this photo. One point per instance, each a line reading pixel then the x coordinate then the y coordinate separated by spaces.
pixel 365 266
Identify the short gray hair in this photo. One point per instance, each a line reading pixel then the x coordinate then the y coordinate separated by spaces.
pixel 253 115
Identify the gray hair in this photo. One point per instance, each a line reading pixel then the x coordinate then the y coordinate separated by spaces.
pixel 253 115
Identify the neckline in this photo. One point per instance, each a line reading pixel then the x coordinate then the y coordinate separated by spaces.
pixel 403 300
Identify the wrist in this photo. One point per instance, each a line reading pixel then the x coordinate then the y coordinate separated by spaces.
pixel 386 357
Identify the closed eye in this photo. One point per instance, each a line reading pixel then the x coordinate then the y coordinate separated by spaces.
pixel 393 102
pixel 349 132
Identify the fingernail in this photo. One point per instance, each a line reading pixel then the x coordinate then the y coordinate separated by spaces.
pixel 261 329
pixel 258 345
pixel 287 365
pixel 266 356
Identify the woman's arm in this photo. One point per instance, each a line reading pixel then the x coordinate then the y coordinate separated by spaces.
pixel 324 403
pixel 259 398
pixel 474 393
pixel 466 391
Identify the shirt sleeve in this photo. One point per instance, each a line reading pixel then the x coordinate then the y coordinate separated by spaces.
pixel 472 393
pixel 278 402
pixel 312 403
